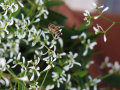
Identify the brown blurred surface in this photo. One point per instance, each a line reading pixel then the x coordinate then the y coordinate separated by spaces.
pixel 111 48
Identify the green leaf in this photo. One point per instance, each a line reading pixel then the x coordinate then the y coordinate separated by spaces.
pixel 57 69
pixel 83 26
pixel 15 14
pixel 54 3
pixel 113 80
pixel 21 85
pixel 28 11
pixel 52 17
pixel 81 73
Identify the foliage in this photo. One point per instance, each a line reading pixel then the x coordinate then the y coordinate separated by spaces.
pixel 32 57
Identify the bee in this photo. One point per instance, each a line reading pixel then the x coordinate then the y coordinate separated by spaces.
pixel 55 29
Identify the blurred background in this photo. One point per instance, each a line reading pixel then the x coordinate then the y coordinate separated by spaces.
pixel 73 10
pixel 81 5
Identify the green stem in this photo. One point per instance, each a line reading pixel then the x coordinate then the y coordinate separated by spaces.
pixel 106 18
pixel 11 73
pixel 110 27
pixel 103 77
pixel 44 79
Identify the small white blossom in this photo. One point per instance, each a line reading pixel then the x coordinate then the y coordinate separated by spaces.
pixel 88 65
pixel 74 37
pixel 20 3
pixel 25 78
pixel 37 20
pixel 32 77
pixel 13 7
pixel 70 63
pixel 87 17
pixel 99 7
pixel 47 68
pixel 61 42
pixel 49 87
pixel 6 81
pixel 94 82
pixel 97 30
pixel 59 78
pixel 2 64
pixel 83 35
pixel 105 38
pixel 90 45
pixel 105 9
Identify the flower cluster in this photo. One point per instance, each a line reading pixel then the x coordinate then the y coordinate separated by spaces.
pixel 92 82
pixel 30 54
pixel 85 41
pixel 26 47
pixel 88 18
pixel 113 68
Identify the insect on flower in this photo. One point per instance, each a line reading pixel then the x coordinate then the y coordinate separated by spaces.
pixel 55 29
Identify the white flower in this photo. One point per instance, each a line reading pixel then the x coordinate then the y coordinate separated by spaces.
pixel 61 42
pixel 87 17
pixel 20 4
pixel 47 68
pixel 70 63
pixel 87 13
pixel 49 87
pixel 97 30
pixel 88 65
pixel 32 77
pixel 115 67
pixel 90 45
pixel 94 4
pixel 83 35
pixel 59 78
pixel 96 17
pixel 2 64
pixel 105 38
pixel 102 6
pixel 37 20
pixel 5 81
pixel 105 9
pixel 25 78
pixel 94 82
pixel 2 82
pixel 13 7
pixel 74 37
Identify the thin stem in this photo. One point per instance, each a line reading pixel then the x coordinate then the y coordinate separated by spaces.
pixel 11 73
pixel 106 18
pixel 110 27
pixel 105 76
pixel 44 79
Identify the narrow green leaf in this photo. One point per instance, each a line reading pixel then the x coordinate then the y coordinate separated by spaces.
pixel 54 3
pixel 21 85
pixel 113 80
pixel 81 73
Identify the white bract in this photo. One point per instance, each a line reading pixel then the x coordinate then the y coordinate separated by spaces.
pixel 100 7
pixel 98 30
pixel 87 17
pixel 25 78
pixel 71 61
pixel 59 78
pixel 49 87
pixel 115 67
pixel 93 82
pixel 90 45
pixel 2 64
